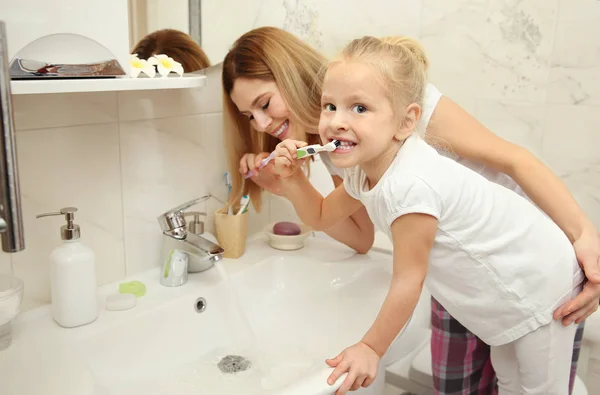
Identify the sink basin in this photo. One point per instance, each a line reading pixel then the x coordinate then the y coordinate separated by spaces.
pixel 282 315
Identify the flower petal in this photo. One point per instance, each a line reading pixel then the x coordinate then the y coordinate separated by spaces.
pixel 152 60
pixel 149 70
pixel 162 70
pixel 134 72
pixel 161 56
pixel 178 68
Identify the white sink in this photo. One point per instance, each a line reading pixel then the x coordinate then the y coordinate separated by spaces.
pixel 284 312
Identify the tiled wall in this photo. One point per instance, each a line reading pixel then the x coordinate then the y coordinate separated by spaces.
pixel 121 158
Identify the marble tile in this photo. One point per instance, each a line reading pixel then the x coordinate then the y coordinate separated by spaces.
pixel 282 209
pixel 6 263
pixel 520 123
pixel 570 146
pixel 152 104
pixel 215 155
pixel 141 105
pixel 76 166
pixel 329 26
pixel 517 43
pixel 574 85
pixel 163 166
pixel 575 74
pixel 451 33
pixel 64 109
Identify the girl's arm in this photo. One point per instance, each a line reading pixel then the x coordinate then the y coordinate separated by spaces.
pixel 319 213
pixel 357 231
pixel 413 236
pixel 314 210
pixel 468 138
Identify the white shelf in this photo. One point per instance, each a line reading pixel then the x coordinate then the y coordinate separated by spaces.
pixel 103 85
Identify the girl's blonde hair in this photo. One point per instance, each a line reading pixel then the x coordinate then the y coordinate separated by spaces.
pixel 269 54
pixel 400 62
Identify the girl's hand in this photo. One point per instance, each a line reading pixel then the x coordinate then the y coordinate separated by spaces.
pixel 266 178
pixel 360 361
pixel 286 160
pixel 587 249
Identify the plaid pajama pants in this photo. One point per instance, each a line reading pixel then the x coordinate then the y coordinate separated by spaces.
pixel 461 362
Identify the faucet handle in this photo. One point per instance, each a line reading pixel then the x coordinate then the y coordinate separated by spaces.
pixel 195 226
pixel 174 218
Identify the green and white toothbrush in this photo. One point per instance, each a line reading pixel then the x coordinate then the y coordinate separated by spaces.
pixel 314 149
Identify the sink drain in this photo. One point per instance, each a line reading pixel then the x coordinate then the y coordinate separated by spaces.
pixel 234 364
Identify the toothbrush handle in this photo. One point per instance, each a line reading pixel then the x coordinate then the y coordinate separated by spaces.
pixel 263 163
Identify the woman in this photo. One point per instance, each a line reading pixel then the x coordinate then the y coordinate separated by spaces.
pixel 272 89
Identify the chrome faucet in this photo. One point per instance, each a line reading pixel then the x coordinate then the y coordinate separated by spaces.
pixel 11 219
pixel 183 248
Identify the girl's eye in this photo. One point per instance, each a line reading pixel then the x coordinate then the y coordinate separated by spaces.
pixel 359 108
pixel 329 107
pixel 266 104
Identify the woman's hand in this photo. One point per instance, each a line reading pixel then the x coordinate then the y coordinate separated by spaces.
pixel 587 249
pixel 360 361
pixel 266 178
pixel 286 159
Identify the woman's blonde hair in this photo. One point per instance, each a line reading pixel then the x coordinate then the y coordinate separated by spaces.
pixel 400 62
pixel 269 54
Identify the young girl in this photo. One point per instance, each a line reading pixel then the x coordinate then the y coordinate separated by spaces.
pixel 491 258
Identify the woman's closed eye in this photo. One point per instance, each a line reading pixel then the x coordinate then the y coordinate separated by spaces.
pixel 264 107
pixel 359 108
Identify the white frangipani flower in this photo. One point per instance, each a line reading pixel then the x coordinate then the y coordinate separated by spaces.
pixel 138 66
pixel 166 64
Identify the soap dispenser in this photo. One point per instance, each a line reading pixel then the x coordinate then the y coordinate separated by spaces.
pixel 72 276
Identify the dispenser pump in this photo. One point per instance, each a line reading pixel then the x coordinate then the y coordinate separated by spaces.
pixel 70 231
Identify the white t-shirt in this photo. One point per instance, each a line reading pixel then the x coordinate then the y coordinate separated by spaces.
pixel 430 101
pixel 498 264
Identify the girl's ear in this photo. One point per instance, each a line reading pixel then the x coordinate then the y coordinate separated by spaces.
pixel 409 122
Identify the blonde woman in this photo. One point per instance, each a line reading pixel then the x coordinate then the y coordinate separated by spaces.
pixel 272 91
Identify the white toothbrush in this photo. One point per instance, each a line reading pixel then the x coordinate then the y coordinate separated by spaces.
pixel 244 201
pixel 314 149
pixel 229 186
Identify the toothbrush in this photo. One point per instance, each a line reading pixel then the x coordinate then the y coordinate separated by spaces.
pixel 314 149
pixel 244 201
pixel 229 186
pixel 263 163
pixel 303 152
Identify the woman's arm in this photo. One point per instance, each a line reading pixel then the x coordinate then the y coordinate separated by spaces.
pixel 468 138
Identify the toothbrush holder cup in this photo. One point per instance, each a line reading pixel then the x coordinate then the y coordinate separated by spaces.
pixel 232 231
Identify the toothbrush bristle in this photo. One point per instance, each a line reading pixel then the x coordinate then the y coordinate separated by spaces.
pixel 337 143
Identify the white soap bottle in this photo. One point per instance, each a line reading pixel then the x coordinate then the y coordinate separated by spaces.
pixel 72 276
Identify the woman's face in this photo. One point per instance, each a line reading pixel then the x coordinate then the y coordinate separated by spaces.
pixel 264 106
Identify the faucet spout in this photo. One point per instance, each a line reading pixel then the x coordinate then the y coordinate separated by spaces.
pixel 183 250
pixel 11 221
pixel 202 248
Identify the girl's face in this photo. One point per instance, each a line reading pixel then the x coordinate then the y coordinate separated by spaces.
pixel 357 112
pixel 266 109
